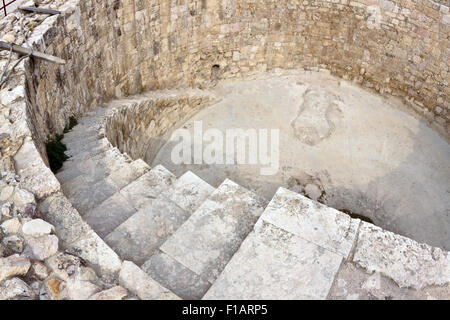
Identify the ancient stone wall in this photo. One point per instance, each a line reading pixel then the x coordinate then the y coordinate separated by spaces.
pixel 117 48
pixel 141 126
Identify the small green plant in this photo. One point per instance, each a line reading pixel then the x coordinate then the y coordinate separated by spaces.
pixel 72 123
pixel 56 153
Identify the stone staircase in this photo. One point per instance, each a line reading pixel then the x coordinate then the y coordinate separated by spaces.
pixel 224 243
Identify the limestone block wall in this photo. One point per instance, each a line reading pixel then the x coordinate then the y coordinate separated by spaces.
pixel 141 126
pixel 118 48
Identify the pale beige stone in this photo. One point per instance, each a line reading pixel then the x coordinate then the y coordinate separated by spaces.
pixel 12 226
pixel 408 263
pixel 139 283
pixel 42 247
pixel 115 293
pixel 36 228
pixel 15 288
pixel 13 266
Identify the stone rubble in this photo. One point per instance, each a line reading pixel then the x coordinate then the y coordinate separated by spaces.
pixel 32 266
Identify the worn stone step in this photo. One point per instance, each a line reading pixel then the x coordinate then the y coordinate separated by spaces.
pixel 80 131
pixel 141 284
pixel 274 264
pixel 148 186
pixel 164 269
pixel 83 165
pixel 109 214
pixel 124 173
pixel 124 203
pixel 92 194
pixel 189 191
pixel 313 221
pixel 95 169
pixel 294 252
pixel 208 239
pixel 83 145
pixel 76 142
pixel 103 145
pixel 138 237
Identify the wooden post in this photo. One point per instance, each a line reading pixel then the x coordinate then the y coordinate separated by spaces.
pixel 29 52
pixel 40 10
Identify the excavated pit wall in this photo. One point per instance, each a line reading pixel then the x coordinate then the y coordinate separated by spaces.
pixel 144 125
pixel 118 48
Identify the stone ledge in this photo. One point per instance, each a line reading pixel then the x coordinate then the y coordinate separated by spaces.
pixel 408 263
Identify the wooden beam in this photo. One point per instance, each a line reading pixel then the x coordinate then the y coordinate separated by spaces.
pixel 28 52
pixel 40 10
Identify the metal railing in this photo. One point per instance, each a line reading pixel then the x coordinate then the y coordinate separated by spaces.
pixel 5 4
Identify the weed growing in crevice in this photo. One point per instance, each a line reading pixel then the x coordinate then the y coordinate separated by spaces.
pixel 72 123
pixel 56 152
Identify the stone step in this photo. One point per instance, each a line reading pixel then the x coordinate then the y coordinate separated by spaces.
pixel 124 173
pixel 89 195
pixel 141 284
pixel 102 146
pixel 83 145
pixel 109 214
pixel 139 236
pixel 164 269
pixel 294 252
pixel 95 169
pixel 81 131
pixel 208 239
pixel 148 186
pixel 80 164
pixel 77 142
pixel 112 212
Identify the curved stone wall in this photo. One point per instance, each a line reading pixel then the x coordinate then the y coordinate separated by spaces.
pixel 117 48
pixel 142 125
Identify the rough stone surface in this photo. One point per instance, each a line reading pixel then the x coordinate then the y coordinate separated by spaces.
pixel 273 263
pixel 13 266
pixel 51 289
pixel 109 214
pixel 208 239
pixel 312 221
pixel 12 226
pixel 69 226
pixel 15 289
pixel 188 44
pixel 115 293
pixel 141 191
pixel 13 244
pixel 138 237
pixel 407 262
pixel 42 247
pixel 354 283
pixel 139 283
pixel 92 249
pixel 176 277
pixel 189 191
pixel 75 289
pixel 36 228
pixel 39 270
